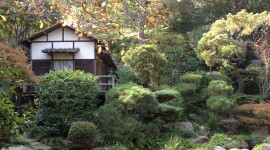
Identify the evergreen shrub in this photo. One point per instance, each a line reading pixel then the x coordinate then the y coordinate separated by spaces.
pixel 82 135
pixel 186 89
pixel 191 78
pixel 128 115
pixel 65 97
pixel 166 95
pixel 219 87
pixel 220 103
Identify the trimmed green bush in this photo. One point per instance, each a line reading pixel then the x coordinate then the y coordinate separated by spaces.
pixel 219 87
pixel 166 95
pixel 65 97
pixel 220 103
pixel 170 113
pixel 82 135
pixel 186 89
pixel 191 78
pixel 128 115
pixel 207 78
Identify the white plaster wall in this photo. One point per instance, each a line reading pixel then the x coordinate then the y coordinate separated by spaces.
pixel 62 44
pixel 36 50
pixel 86 50
pixel 55 35
pixel 42 38
pixel 57 56
pixel 70 35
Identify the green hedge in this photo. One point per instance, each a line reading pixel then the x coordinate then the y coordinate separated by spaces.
pixel 82 135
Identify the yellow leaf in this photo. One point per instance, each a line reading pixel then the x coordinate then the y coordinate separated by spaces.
pixel 41 25
pixel 4 18
pixel 122 53
pixel 99 50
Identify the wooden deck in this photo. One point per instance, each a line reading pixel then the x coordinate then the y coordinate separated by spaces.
pixel 105 83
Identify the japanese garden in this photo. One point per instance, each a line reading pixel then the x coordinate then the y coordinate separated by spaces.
pixel 134 75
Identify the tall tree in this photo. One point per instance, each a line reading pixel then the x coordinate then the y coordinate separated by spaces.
pixel 108 19
pixel 225 44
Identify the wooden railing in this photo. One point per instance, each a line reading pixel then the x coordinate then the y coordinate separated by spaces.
pixel 106 82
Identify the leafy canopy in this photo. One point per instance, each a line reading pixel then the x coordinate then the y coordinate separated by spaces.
pixel 147 63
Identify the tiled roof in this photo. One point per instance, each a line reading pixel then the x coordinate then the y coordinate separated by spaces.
pixel 61 50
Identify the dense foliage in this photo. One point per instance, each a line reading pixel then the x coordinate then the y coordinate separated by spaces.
pixel 65 97
pixel 130 112
pixel 147 64
pixel 82 135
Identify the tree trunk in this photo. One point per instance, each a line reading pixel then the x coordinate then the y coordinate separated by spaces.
pixel 142 18
pixel 239 80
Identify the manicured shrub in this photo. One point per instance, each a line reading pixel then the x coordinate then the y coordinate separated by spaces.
pixel 191 78
pixel 65 97
pixel 207 78
pixel 134 98
pixel 186 89
pixel 220 103
pixel 170 113
pixel 219 87
pixel 82 135
pixel 242 98
pixel 166 95
pixel 128 115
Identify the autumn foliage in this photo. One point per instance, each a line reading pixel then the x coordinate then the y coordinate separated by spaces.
pixel 255 114
pixel 16 58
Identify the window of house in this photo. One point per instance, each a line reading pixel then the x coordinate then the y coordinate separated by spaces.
pixel 60 65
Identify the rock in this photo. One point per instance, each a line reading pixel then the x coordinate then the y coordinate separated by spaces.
pixel 266 147
pixel 267 140
pixel 17 148
pixel 187 126
pixel 200 139
pixel 229 125
pixel 195 117
pixel 240 145
pixel 219 148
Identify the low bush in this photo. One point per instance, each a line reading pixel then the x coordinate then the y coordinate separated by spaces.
pixel 207 78
pixel 82 135
pixel 219 87
pixel 186 89
pixel 166 95
pixel 129 115
pixel 175 143
pixel 242 98
pixel 191 78
pixel 220 103
pixel 170 113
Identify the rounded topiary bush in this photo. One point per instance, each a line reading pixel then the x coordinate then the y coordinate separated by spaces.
pixel 219 87
pixel 220 103
pixel 82 135
pixel 166 95
pixel 191 78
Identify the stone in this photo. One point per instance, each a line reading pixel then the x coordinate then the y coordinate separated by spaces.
pixel 266 140
pixel 101 148
pixel 187 126
pixel 229 125
pixel 17 148
pixel 266 147
pixel 240 145
pixel 200 139
pixel 219 148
